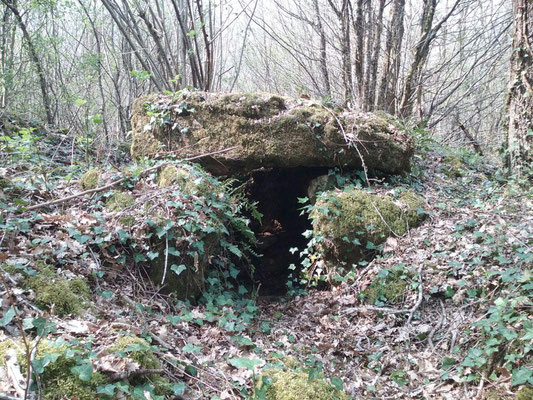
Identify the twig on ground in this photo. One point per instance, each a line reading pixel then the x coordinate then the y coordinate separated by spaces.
pixel 436 327
pixel 420 295
pixel 479 392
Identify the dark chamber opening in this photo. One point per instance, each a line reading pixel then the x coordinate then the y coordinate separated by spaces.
pixel 277 191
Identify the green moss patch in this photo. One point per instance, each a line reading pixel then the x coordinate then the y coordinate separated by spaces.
pixel 189 180
pixel 453 167
pixel 289 385
pixel 389 286
pixel 66 296
pixel 90 179
pixel 119 201
pixel 139 350
pixel 525 393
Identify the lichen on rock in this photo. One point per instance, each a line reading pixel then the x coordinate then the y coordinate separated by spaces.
pixel 290 385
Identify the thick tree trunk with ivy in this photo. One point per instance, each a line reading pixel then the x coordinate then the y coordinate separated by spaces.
pixel 520 133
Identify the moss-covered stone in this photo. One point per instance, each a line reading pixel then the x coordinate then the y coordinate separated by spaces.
pixel 172 175
pixel 119 201
pixel 453 167
pixel 265 130
pixel 289 385
pixel 66 296
pixel 189 180
pixel 347 221
pixel 137 349
pixel 90 179
pixel 57 380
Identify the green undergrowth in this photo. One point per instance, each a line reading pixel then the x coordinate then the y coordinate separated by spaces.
pixel 498 277
pixel 140 351
pixel 56 292
pixel 390 286
pixel 62 369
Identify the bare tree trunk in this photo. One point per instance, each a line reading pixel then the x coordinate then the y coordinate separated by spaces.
pixel 323 49
pixel 359 48
pixel 428 34
pixel 11 4
pixel 343 15
pixel 420 56
pixel 370 95
pixel 99 67
pixel 387 95
pixel 519 154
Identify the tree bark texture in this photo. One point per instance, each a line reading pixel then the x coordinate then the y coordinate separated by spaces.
pixel 520 102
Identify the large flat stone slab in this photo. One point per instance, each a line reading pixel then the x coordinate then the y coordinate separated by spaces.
pixel 267 131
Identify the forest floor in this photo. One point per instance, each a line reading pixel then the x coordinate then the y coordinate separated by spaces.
pixel 459 327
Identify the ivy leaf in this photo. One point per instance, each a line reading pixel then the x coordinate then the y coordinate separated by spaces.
pixel 243 362
pixel 173 252
pixel 139 257
pixel 83 371
pixel 191 348
pixel 43 326
pixel 447 362
pixel 521 376
pixel 178 388
pixel 40 364
pixel 529 332
pixel 337 383
pixel 108 390
pixel 107 294
pixel 178 269
pixel 8 317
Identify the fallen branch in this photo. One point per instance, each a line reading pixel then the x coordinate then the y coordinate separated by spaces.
pixel 119 181
pixel 353 310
